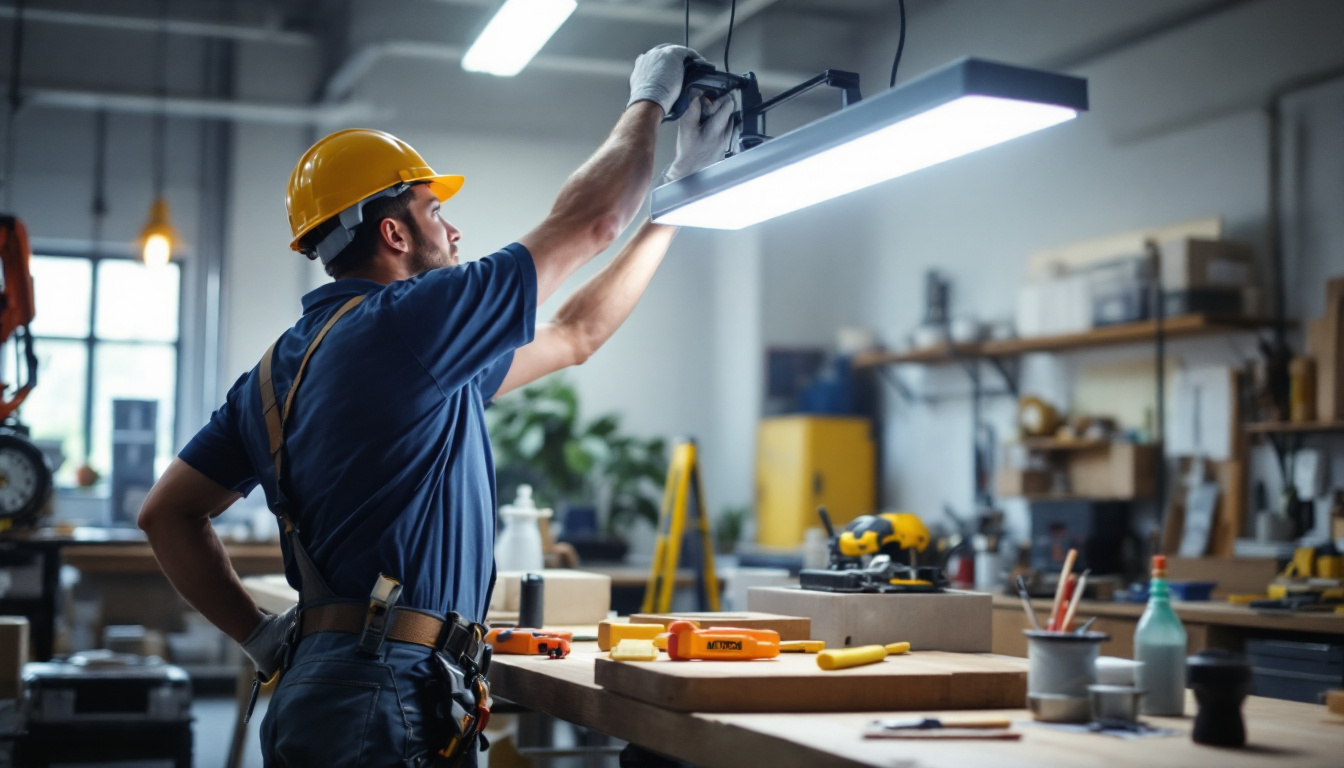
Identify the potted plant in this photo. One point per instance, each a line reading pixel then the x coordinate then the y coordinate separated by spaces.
pixel 539 438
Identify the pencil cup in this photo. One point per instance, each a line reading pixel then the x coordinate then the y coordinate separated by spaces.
pixel 1062 665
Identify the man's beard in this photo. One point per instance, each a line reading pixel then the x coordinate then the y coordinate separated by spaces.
pixel 427 255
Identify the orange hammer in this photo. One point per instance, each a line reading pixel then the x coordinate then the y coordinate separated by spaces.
pixel 685 641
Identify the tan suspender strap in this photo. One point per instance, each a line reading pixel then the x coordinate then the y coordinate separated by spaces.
pixel 268 406
pixel 276 417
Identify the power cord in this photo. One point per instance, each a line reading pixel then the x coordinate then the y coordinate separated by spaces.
pixel 688 23
pixel 728 43
pixel 900 46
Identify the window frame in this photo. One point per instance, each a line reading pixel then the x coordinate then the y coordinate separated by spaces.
pixel 92 340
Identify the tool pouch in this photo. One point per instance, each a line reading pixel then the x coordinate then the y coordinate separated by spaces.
pixel 461 663
pixel 464 707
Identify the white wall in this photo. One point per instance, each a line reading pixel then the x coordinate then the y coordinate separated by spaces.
pixel 1174 133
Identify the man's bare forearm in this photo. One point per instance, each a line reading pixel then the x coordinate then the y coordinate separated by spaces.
pixel 176 519
pixel 593 313
pixel 196 563
pixel 611 184
pixel 598 201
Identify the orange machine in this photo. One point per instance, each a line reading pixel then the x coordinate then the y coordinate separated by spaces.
pixel 685 641
pixel 16 307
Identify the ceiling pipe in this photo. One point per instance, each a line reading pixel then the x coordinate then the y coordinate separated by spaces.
pixel 347 76
pixel 632 12
pixel 181 27
pixel 211 109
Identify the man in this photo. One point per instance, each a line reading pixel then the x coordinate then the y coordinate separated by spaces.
pixel 380 466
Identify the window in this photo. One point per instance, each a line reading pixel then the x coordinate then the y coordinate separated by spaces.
pixel 106 329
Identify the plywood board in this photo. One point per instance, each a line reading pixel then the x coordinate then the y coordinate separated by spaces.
pixel 919 680
pixel 946 621
pixel 788 627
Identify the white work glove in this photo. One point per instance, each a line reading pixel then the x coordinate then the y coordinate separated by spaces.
pixel 658 75
pixel 265 646
pixel 703 134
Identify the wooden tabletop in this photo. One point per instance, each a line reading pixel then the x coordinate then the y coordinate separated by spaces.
pixel 130 557
pixel 1288 733
pixel 1203 612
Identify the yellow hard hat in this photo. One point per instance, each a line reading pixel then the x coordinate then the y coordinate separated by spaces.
pixel 340 173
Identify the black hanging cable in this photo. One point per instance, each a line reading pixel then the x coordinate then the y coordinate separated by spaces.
pixel 98 209
pixel 13 101
pixel 728 42
pixel 688 23
pixel 900 46
pixel 98 206
pixel 161 114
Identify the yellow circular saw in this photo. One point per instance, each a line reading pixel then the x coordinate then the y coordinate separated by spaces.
pixel 889 533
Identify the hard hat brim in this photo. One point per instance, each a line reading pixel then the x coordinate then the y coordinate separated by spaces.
pixel 443 187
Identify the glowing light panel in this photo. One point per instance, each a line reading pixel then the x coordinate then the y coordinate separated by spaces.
pixel 519 29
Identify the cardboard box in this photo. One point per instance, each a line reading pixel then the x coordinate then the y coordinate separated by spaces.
pixel 1012 483
pixel 1198 263
pixel 569 597
pixel 947 621
pixel 1117 471
pixel 13 655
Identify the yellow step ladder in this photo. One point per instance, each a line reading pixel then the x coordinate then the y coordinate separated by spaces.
pixel 683 495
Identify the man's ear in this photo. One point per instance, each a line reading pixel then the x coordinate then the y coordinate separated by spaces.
pixel 394 235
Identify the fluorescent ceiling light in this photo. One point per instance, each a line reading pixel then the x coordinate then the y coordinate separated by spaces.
pixel 954 111
pixel 519 29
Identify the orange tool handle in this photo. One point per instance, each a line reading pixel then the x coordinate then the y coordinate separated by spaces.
pixel 686 642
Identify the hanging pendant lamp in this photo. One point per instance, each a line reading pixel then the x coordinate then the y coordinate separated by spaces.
pixel 157 237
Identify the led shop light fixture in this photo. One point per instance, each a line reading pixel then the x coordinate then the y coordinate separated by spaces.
pixel 518 30
pixel 964 107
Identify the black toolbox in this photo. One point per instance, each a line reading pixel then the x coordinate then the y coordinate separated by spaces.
pixel 1297 671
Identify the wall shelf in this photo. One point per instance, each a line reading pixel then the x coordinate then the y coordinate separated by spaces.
pixel 1178 327
pixel 1288 427
pixel 1056 444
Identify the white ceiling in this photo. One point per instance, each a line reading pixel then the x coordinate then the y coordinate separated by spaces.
pixel 401 57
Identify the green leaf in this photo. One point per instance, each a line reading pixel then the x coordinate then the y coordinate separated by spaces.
pixel 531 440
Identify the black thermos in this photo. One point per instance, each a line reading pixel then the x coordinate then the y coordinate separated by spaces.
pixel 531 601
pixel 1220 680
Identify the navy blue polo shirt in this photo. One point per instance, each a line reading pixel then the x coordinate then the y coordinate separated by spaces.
pixel 389 458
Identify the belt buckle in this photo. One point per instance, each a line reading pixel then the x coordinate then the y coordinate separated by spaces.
pixel 378 618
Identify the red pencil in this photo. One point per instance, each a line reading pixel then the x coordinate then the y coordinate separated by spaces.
pixel 1066 596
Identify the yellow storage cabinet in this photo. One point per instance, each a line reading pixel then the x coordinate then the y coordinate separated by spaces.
pixel 803 462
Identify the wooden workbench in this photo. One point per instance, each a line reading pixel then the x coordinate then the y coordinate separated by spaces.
pixel 1207 624
pixel 1291 734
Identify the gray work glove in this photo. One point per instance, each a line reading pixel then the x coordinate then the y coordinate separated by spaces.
pixel 658 75
pixel 703 134
pixel 266 645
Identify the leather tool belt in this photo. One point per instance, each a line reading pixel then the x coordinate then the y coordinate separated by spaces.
pixel 407 625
